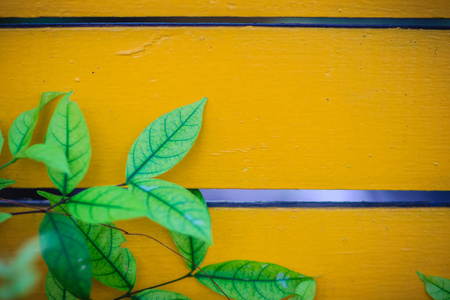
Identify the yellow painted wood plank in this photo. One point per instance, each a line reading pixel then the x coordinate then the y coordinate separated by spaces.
pixel 358 253
pixel 238 8
pixel 288 107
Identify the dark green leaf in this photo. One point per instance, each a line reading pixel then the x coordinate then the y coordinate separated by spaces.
pixel 66 253
pixel 4 216
pixel 437 287
pixel 105 204
pixel 68 130
pixel 165 142
pixel 21 130
pixel 173 207
pixel 55 291
pixel 246 280
pixel 159 295
pixel 19 276
pixel 190 247
pixel 5 182
pixel 306 290
pixel 53 156
pixel 112 265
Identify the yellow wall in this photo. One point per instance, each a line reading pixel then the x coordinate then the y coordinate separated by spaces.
pixel 288 107
pixel 366 254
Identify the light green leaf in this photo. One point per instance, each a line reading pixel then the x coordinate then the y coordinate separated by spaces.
pixel 105 204
pixel 159 295
pixel 112 265
pixel 2 140
pixel 247 280
pixel 306 290
pixel 53 156
pixel 173 207
pixel 68 130
pixel 53 200
pixel 4 216
pixel 5 182
pixel 66 253
pixel 437 287
pixel 21 130
pixel 20 276
pixel 190 247
pixel 55 291
pixel 165 142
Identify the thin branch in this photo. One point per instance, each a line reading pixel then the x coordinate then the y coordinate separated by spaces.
pixel 7 164
pixel 164 245
pixel 29 212
pixel 21 204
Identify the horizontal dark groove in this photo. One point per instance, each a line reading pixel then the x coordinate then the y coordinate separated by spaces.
pixel 381 23
pixel 400 199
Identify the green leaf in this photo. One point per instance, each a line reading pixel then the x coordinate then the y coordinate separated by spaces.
pixel 173 207
pixel 4 216
pixel 246 280
pixel 105 204
pixel 20 276
pixel 2 140
pixel 53 156
pixel 68 130
pixel 112 265
pixel 437 287
pixel 21 130
pixel 306 290
pixel 53 200
pixel 5 182
pixel 159 295
pixel 66 253
pixel 190 247
pixel 55 291
pixel 165 142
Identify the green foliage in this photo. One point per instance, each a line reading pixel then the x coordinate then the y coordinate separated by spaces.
pixel 77 239
pixel 105 204
pixel 5 182
pixel 247 280
pixel 19 276
pixel 2 140
pixel 165 142
pixel 21 131
pixel 55 291
pixel 68 130
pixel 173 207
pixel 4 217
pixel 190 247
pixel 159 295
pixel 52 156
pixel 111 265
pixel 306 290
pixel 66 253
pixel 437 287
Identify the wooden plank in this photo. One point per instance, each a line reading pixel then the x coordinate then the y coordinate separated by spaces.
pixel 236 8
pixel 288 107
pixel 358 253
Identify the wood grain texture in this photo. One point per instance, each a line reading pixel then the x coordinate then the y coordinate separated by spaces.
pixel 288 107
pixel 367 254
pixel 238 8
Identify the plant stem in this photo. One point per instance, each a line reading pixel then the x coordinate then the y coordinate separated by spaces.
pixel 29 212
pixel 128 295
pixel 21 204
pixel 161 243
pixel 7 164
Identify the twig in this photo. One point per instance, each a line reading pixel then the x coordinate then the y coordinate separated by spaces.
pixel 7 164
pixel 21 204
pixel 161 243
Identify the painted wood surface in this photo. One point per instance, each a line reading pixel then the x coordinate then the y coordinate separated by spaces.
pixel 240 8
pixel 367 254
pixel 288 107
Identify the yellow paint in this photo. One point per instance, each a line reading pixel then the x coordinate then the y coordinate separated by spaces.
pixel 366 254
pixel 241 8
pixel 288 107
